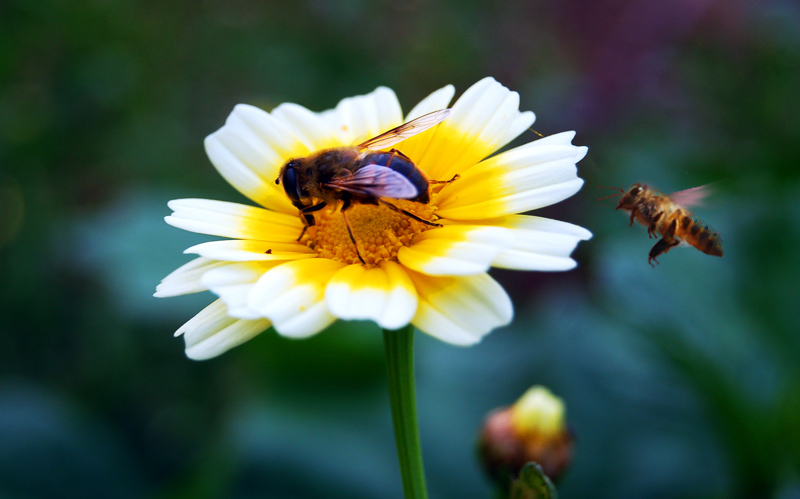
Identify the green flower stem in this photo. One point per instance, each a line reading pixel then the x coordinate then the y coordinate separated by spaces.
pixel 400 367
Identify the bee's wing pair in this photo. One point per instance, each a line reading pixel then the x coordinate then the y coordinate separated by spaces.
pixel 692 197
pixel 379 180
pixel 406 130
pixel 376 180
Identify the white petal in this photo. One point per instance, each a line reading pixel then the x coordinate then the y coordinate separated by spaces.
pixel 460 310
pixel 233 283
pixel 521 123
pixel 249 151
pixel 526 222
pixel 357 119
pixel 483 119
pixel 306 127
pixel 186 278
pixel 292 296
pixel 455 249
pixel 536 198
pixel 213 332
pixel 528 177
pixel 385 295
pixel 487 110
pixel 540 244
pixel 219 218
pixel 239 250
pixel 313 319
pixel 526 260
pixel 439 99
pixel 558 139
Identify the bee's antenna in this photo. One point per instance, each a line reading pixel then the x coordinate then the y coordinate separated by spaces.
pixel 534 131
pixel 622 191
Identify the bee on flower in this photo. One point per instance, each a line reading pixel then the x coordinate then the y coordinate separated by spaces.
pixel 403 230
pixel 358 175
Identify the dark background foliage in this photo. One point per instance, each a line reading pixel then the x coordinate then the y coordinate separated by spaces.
pixel 681 381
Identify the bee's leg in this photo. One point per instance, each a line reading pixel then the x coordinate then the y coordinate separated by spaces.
pixel 408 214
pixel 399 153
pixel 444 181
pixel 664 244
pixel 308 218
pixel 633 215
pixel 350 233
pixel 651 229
pixel 302 232
pixel 307 211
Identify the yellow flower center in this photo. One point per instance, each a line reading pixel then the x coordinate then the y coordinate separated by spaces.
pixel 379 231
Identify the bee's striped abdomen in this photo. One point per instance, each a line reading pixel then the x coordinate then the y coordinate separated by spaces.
pixel 700 236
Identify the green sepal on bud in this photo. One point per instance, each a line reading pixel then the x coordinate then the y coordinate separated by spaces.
pixel 532 484
pixel 532 430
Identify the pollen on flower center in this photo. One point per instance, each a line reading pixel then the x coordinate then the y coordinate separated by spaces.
pixel 379 231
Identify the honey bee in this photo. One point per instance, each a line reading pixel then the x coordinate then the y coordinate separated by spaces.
pixel 360 174
pixel 666 216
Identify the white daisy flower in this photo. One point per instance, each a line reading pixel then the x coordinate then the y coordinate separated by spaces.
pixel 432 276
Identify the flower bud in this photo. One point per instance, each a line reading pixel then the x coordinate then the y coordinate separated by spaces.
pixel 533 429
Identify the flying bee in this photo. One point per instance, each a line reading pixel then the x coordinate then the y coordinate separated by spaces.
pixel 667 216
pixel 360 174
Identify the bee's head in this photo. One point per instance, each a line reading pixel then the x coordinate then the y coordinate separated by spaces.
pixel 289 178
pixel 631 197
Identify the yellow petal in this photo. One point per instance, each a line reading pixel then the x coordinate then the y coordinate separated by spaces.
pixel 219 218
pixel 528 177
pixel 480 123
pixel 455 249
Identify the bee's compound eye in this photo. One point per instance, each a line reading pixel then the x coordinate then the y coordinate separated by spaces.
pixel 289 181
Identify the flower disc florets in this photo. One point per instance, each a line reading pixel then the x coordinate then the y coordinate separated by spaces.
pixel 379 231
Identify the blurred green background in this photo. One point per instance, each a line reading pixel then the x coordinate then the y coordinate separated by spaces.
pixel 681 381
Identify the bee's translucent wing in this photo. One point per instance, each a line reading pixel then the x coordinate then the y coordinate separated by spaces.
pixel 406 130
pixel 376 180
pixel 692 197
